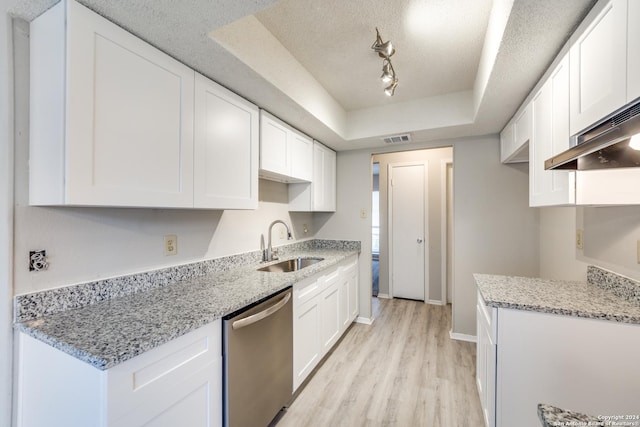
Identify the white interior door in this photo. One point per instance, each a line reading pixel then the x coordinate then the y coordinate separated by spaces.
pixel 407 212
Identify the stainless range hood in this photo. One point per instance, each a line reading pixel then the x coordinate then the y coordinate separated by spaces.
pixel 605 145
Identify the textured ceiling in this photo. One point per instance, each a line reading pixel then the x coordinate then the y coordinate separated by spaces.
pixel 464 66
pixel 438 44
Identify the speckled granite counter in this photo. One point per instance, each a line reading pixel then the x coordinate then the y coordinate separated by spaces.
pixel 551 416
pixel 109 332
pixel 599 298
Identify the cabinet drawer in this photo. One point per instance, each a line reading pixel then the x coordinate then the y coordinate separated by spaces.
pixel 158 373
pixel 307 289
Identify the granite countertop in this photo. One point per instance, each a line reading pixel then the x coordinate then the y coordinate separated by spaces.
pixel 551 416
pixel 113 331
pixel 580 299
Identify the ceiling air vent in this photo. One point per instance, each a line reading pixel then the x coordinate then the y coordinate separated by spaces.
pixel 394 139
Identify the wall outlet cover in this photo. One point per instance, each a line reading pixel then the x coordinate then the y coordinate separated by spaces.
pixel 170 244
pixel 579 239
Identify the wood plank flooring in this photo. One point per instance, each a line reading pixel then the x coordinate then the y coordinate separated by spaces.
pixel 403 370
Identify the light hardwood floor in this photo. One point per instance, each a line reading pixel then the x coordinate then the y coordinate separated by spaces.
pixel 403 370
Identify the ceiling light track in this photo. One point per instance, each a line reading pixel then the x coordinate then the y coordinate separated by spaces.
pixel 385 50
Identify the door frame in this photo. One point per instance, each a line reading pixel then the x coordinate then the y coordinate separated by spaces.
pixel 6 215
pixel 390 167
pixel 444 189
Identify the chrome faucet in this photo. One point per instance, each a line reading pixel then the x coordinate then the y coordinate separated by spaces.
pixel 268 255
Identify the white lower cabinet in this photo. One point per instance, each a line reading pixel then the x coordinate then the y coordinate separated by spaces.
pixel 178 383
pixel 322 311
pixel 330 311
pixel 486 360
pixel 585 365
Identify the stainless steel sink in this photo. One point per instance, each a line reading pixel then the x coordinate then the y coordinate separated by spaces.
pixel 290 265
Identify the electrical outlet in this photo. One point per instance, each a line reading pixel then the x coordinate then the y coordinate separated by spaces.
pixel 170 244
pixel 363 213
pixel 282 234
pixel 38 260
pixel 305 228
pixel 579 240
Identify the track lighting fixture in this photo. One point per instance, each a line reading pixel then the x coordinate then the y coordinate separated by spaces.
pixel 385 50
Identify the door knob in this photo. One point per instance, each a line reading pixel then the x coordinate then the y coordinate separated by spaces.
pixel 419 240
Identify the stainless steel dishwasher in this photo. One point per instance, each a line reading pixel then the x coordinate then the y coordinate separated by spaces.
pixel 258 361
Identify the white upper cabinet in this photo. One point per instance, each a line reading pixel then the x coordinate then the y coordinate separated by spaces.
pixel 633 51
pixel 226 148
pixel 274 158
pixel 550 137
pixel 320 195
pixel 324 178
pixel 599 65
pixel 111 117
pixel 514 139
pixel 506 142
pixel 285 154
pixel 301 151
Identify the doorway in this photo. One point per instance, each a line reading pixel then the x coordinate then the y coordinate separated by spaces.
pixel 408 259
pixel 437 253
pixel 375 230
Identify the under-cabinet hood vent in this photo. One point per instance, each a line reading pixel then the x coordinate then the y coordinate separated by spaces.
pixel 606 145
pixel 394 139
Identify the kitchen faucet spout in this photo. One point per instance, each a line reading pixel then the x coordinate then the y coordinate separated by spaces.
pixel 268 254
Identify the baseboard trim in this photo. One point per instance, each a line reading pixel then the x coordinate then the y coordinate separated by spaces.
pixel 364 320
pixel 462 337
pixel 384 296
pixel 434 302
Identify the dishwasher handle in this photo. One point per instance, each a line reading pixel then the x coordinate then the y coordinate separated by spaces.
pixel 261 315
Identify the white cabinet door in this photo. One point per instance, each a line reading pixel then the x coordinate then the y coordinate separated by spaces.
pixel 350 274
pixel 507 142
pixel 633 51
pixel 226 148
pixel 514 138
pixel 343 302
pixel 552 358
pixel 127 110
pixel 320 195
pixel 523 129
pixel 301 152
pixel 599 65
pixel 274 152
pixel 550 137
pixel 324 179
pixel 179 380
pixel 307 349
pixel 285 153
pixel 330 312
pixel 486 360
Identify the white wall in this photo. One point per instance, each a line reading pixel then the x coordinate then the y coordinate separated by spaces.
pixel 433 157
pixel 85 244
pixel 610 239
pixel 611 236
pixel 558 254
pixel 6 214
pixel 495 230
